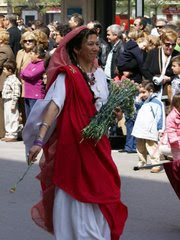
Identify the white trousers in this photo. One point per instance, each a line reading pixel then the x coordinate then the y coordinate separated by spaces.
pixel 11 120
pixel 74 220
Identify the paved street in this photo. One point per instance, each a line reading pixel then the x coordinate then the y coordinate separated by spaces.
pixel 154 209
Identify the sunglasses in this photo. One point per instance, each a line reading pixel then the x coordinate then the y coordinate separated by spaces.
pixel 159 26
pixel 29 40
pixel 170 44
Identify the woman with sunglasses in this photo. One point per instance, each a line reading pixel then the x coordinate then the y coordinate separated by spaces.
pixel 23 58
pixel 34 87
pixel 28 42
pixel 157 66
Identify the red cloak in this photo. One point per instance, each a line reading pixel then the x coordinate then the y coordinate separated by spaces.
pixel 173 173
pixel 83 169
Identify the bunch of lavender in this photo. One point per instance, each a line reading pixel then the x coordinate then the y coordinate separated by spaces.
pixel 121 95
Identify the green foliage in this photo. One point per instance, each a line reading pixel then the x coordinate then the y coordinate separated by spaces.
pixel 120 95
pixel 155 5
pixel 39 5
pixel 34 3
pixel 149 5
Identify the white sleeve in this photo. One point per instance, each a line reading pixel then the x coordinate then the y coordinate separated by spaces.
pixel 57 92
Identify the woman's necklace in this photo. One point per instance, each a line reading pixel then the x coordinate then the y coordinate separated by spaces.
pixel 90 76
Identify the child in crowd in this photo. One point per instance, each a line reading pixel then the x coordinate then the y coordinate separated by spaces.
pixel 129 65
pixel 132 58
pixel 175 84
pixel 173 127
pixel 142 43
pixel 34 87
pixel 153 42
pixel 135 55
pixel 10 94
pixel 149 122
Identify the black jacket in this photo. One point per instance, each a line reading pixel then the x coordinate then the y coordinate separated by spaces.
pixel 153 64
pixel 132 60
pixel 14 39
pixel 118 49
pixel 103 52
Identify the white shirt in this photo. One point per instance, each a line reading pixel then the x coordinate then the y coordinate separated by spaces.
pixel 154 32
pixel 107 69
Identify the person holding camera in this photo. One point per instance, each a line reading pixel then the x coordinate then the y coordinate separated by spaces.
pixel 157 66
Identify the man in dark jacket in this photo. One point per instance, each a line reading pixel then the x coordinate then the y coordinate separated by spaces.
pixel 131 60
pixel 114 36
pixel 15 34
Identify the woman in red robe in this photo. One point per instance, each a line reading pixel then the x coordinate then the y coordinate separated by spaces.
pixel 80 182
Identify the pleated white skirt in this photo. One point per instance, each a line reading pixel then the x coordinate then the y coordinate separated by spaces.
pixel 74 220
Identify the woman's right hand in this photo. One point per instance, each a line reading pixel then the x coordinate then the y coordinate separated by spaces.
pixel 33 153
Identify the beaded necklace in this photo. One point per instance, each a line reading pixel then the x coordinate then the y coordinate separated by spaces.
pixel 92 79
pixel 90 76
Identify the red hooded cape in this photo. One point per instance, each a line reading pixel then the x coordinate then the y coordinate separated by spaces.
pixel 85 170
pixel 173 173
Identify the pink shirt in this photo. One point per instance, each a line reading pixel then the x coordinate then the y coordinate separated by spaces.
pixel 173 128
pixel 33 80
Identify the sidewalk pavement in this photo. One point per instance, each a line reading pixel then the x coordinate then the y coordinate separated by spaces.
pixel 154 209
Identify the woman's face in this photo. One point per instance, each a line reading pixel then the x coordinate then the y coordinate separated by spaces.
pixel 168 47
pixel 29 43
pixel 58 37
pixel 89 49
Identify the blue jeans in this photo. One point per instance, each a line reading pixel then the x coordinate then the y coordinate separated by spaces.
pixel 29 103
pixel 130 144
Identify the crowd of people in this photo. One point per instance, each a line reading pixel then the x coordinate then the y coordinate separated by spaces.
pixel 39 93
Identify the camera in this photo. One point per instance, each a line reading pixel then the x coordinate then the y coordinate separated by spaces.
pixel 157 80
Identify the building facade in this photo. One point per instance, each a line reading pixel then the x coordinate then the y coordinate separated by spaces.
pixel 102 10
